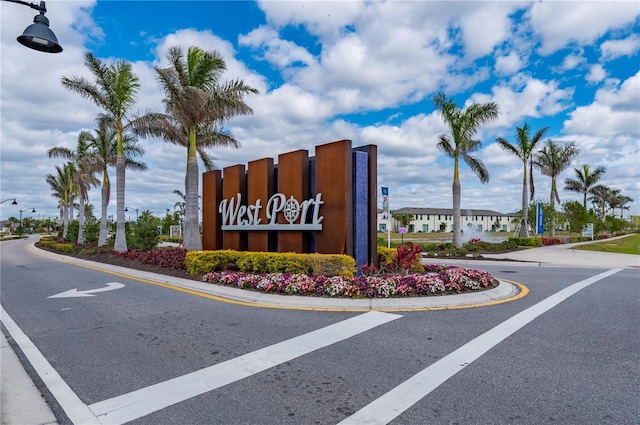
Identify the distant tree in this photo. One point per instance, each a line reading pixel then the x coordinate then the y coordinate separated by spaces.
pixel 552 160
pixel 577 215
pixel 598 198
pixel 460 143
pixel 622 203
pixel 523 149
pixel 114 90
pixel 85 161
pixel 403 219
pixel 104 141
pixel 63 188
pixel 586 179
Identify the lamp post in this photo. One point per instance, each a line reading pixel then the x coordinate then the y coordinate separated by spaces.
pixel 38 36
pixel 13 203
pixel 126 209
pixel 20 226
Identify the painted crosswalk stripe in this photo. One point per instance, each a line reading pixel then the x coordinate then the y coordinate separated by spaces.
pixel 386 408
pixel 144 401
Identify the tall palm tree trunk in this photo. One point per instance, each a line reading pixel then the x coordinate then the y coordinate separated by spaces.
pixel 457 230
pixel 104 192
pixel 192 240
pixel 65 220
pixel 121 237
pixel 81 238
pixel 524 220
pixel 552 202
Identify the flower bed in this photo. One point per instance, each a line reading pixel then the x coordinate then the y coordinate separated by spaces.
pixel 437 280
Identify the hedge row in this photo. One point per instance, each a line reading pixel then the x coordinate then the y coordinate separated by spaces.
pixel 198 262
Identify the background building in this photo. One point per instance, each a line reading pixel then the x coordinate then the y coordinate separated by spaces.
pixel 427 220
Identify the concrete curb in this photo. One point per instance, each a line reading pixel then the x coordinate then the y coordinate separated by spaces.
pixel 503 293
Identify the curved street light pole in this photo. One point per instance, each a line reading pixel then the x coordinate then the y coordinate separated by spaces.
pixel 20 225
pixel 126 209
pixel 38 36
pixel 13 203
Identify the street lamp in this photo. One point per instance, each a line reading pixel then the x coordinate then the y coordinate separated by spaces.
pixel 20 227
pixel 13 203
pixel 38 36
pixel 126 209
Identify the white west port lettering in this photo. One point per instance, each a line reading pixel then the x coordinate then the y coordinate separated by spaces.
pixel 239 217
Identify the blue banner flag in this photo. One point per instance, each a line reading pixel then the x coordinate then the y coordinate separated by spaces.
pixel 540 219
pixel 385 191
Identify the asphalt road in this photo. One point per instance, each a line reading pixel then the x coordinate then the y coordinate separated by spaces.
pixel 147 354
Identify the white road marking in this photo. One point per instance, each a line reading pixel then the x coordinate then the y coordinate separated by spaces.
pixel 74 293
pixel 142 402
pixel 386 408
pixel 76 410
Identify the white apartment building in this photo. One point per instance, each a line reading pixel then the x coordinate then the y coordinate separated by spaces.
pixel 441 220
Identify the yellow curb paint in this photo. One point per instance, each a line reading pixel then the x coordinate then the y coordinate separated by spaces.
pixel 524 291
pixel 521 294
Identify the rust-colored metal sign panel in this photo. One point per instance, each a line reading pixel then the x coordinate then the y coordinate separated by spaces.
pixel 259 188
pixel 234 183
pixel 211 220
pixel 293 180
pixel 333 178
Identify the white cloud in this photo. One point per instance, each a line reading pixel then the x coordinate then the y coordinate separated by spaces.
pixel 614 113
pixel 572 61
pixel 596 74
pixel 613 49
pixel 281 53
pixel 560 23
pixel 525 97
pixel 508 64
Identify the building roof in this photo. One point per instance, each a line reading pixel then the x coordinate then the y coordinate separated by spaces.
pixel 449 211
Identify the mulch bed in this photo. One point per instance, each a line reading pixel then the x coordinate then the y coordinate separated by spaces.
pixel 130 263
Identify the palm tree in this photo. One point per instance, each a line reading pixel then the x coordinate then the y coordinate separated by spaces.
pixel 552 160
pixel 585 181
pixel 523 149
pixel 196 105
pixel 613 200
pixel 83 157
pixel 104 143
pixel 600 195
pixel 181 205
pixel 114 90
pixel 88 213
pixel 62 186
pixel 464 126
pixel 623 200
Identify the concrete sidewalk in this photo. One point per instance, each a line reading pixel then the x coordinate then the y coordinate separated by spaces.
pixel 23 404
pixel 564 255
pixel 20 400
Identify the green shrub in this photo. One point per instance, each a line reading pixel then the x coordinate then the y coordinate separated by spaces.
pixel 142 235
pixel 92 231
pixel 63 247
pixel 509 244
pixel 527 241
pixel 270 262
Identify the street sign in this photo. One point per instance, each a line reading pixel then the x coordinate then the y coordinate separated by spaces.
pixel 402 230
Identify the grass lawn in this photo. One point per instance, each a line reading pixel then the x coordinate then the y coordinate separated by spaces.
pixel 627 245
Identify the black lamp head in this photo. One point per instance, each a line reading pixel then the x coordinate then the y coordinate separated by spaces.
pixel 39 36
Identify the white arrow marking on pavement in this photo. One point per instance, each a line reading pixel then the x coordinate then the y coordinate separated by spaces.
pixel 74 293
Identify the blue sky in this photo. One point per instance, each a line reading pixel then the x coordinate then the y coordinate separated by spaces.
pixel 365 71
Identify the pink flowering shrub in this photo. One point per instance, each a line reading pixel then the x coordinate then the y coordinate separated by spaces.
pixel 437 280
